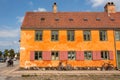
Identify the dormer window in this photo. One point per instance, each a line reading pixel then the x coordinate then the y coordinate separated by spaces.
pixel 112 19
pixel 57 19
pixel 42 19
pixel 70 19
pixel 98 19
pixel 85 19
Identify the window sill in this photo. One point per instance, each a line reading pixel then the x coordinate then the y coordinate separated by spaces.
pixel 38 40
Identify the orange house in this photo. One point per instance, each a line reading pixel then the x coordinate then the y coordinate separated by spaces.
pixel 77 38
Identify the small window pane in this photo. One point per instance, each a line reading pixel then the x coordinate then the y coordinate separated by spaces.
pixel 87 35
pixel 88 55
pixel 38 55
pixel 104 55
pixel 70 35
pixel 55 55
pixel 71 55
pixel 38 35
pixel 103 35
pixel 117 35
pixel 54 35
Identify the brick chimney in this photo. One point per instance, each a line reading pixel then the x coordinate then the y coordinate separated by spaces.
pixel 55 8
pixel 110 7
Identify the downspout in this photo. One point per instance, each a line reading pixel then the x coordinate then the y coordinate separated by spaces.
pixel 115 47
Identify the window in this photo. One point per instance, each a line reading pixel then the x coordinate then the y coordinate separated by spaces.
pixel 55 55
pixel 70 35
pixel 38 35
pixel 104 55
pixel 97 19
pixel 54 35
pixel 117 35
pixel 103 35
pixel 87 35
pixel 38 55
pixel 112 19
pixel 57 19
pixel 71 55
pixel 42 19
pixel 70 19
pixel 88 55
pixel 85 19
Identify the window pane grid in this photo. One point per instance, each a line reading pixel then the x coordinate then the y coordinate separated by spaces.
pixel 55 55
pixel 87 35
pixel 54 35
pixel 105 55
pixel 70 35
pixel 71 55
pixel 88 55
pixel 103 35
pixel 38 55
pixel 117 35
pixel 38 35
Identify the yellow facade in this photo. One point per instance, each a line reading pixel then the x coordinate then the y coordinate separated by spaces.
pixel 28 43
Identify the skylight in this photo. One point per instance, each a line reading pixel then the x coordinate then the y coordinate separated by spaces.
pixel 56 19
pixel 98 19
pixel 112 19
pixel 42 19
pixel 85 19
pixel 70 19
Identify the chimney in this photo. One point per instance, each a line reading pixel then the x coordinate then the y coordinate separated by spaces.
pixel 55 8
pixel 110 7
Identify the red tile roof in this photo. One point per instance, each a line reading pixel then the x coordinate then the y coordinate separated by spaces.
pixel 70 20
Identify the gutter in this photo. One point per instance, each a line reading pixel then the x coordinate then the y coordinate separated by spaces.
pixel 115 48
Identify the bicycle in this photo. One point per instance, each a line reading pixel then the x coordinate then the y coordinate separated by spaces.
pixel 107 66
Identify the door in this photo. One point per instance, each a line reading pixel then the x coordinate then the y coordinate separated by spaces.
pixel 118 59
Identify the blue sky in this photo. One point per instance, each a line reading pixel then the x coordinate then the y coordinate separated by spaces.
pixel 12 13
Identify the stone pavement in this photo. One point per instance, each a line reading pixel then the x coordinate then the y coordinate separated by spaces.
pixel 39 72
pixel 64 75
pixel 14 73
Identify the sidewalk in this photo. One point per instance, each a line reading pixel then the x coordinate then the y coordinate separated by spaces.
pixel 16 74
pixel 48 72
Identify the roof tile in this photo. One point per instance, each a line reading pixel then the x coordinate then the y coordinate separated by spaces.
pixel 33 20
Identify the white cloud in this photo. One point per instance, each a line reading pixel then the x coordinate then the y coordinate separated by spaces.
pixel 8 43
pixel 9 37
pixel 9 33
pixel 40 10
pixel 20 19
pixel 5 43
pixel 97 3
pixel 16 42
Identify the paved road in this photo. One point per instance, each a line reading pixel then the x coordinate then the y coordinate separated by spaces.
pixel 6 71
pixel 2 65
